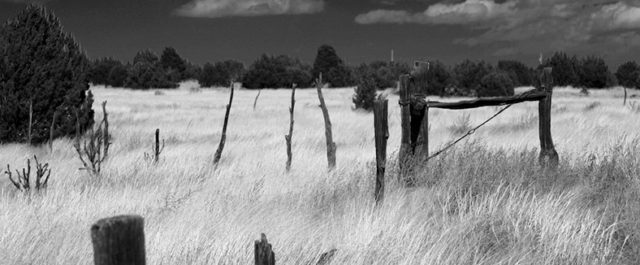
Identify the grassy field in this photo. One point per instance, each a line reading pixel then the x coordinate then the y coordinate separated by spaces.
pixel 485 202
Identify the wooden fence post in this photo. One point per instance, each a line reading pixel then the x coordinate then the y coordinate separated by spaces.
pixel 118 241
pixel 548 155
pixel 255 101
pixel 105 132
pixel 223 138
pixel 263 253
pixel 157 147
pixel 405 112
pixel 331 146
pixel 289 136
pixel 380 122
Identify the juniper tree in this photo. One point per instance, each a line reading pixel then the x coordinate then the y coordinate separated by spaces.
pixel 42 68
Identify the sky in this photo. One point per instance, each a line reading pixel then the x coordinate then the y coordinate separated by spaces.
pixel 360 30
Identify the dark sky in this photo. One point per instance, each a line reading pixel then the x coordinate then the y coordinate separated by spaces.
pixel 360 30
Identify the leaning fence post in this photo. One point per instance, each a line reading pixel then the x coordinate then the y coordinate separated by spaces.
pixel 263 253
pixel 119 241
pixel 405 110
pixel 331 146
pixel 380 123
pixel 223 138
pixel 548 155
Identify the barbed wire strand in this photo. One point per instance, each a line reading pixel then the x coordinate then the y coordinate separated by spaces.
pixel 469 133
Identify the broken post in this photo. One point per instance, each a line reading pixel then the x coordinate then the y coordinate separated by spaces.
pixel 331 146
pixel 381 126
pixel 119 241
pixel 289 136
pixel 263 253
pixel 223 138
pixel 105 132
pixel 548 155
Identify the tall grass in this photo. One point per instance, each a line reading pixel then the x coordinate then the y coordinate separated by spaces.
pixel 484 202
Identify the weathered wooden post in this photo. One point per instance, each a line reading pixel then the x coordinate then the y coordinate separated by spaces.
pixel 223 138
pixel 405 112
pixel 263 253
pixel 289 136
pixel 105 132
pixel 119 241
pixel 157 147
pixel 548 155
pixel 380 123
pixel 255 101
pixel 331 146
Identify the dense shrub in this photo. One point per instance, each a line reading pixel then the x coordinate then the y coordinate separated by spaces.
pixel 385 74
pixel 628 75
pixel 192 72
pixel 100 70
pixel 565 69
pixel 520 74
pixel 117 76
pixel 593 73
pixel 365 91
pixel 434 80
pixel 496 83
pixel 277 72
pixel 220 73
pixel 468 74
pixel 44 66
pixel 332 68
pixel 146 72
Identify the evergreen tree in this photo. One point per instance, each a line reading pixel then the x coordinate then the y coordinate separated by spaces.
pixel 44 67
pixel 468 74
pixel 277 72
pixel 172 64
pixel 365 92
pixel 628 75
pixel 593 72
pixel 435 80
pixel 332 67
pixel 520 74
pixel 565 69
pixel 146 72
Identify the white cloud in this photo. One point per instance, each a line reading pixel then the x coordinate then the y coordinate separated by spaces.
pixel 529 25
pixel 226 8
pixel 469 11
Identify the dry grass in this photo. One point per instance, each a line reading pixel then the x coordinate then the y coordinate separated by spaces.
pixel 483 203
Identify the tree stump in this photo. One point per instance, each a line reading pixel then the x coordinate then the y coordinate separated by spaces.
pixel 119 241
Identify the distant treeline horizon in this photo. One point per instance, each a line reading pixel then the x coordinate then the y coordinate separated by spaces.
pixel 148 70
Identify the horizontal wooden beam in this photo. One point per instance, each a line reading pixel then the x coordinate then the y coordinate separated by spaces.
pixel 531 95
